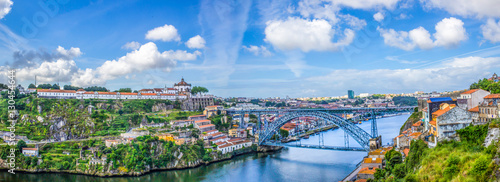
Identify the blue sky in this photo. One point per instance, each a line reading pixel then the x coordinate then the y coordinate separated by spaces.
pixel 301 48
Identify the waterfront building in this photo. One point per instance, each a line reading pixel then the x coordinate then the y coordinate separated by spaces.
pixel 372 162
pixel 233 144
pixel 472 98
pixel 30 152
pixel 366 173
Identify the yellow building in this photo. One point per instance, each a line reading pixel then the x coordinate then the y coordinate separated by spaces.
pixel 180 141
pixel 233 132
pixel 166 137
pixel 212 110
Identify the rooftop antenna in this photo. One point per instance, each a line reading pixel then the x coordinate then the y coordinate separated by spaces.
pixel 35 82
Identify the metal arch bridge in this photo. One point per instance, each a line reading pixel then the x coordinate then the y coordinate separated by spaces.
pixel 267 129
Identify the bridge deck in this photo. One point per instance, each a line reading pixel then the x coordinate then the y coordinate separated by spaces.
pixel 360 149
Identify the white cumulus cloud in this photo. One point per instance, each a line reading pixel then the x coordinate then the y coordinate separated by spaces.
pixel 449 33
pixel 491 31
pixel 131 45
pixel 69 54
pixel 165 33
pixel 306 35
pixel 466 8
pixel 196 42
pixel 5 7
pixel 258 50
pixel 378 16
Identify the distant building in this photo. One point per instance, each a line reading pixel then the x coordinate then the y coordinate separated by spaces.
pixel 198 117
pixel 166 137
pixel 213 110
pixel 489 108
pixel 181 123
pixel 30 152
pixel 350 94
pixel 494 78
pixel 432 106
pixel 472 97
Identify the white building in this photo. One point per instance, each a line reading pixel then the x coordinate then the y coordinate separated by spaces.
pixel 233 144
pixel 30 151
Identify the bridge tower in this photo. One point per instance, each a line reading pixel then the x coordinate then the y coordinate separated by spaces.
pixel 374 125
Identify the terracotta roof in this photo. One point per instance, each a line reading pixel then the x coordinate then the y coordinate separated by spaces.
pixel 128 93
pixel 167 94
pixel 79 90
pixel 30 149
pixel 415 135
pixel 361 180
pixel 493 96
pixel 182 83
pixel 207 125
pixel 201 121
pixel 417 123
pixel 57 91
pixel 441 111
pixel 214 106
pixel 148 94
pixel 433 123
pixel 196 116
pixel 406 151
pixel 89 93
pixel 372 160
pixel 474 109
pixel 367 170
pixel 470 91
pixel 399 136
pixel 106 93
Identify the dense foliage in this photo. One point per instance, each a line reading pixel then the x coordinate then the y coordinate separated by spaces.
pixel 69 87
pixel 124 90
pixel 197 89
pixel 48 86
pixel 96 89
pixel 485 84
pixel 404 101
pixel 219 124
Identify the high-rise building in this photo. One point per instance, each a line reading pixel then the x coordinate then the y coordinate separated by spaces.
pixel 350 94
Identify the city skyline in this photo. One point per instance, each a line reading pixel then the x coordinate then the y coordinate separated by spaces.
pixel 303 48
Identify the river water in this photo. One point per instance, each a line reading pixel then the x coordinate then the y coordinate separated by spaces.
pixel 291 164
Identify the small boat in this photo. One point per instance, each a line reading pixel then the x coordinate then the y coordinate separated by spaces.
pixel 359 122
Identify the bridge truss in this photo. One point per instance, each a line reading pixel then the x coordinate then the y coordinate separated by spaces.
pixel 266 129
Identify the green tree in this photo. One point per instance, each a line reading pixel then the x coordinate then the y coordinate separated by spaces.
pixel 69 87
pixel 20 145
pixel 45 86
pixel 32 86
pixel 197 89
pixel 124 90
pixel 56 87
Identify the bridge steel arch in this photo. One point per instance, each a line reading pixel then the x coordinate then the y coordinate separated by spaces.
pixel 358 134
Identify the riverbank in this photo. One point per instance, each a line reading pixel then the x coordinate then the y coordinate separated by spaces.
pixel 183 166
